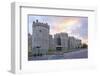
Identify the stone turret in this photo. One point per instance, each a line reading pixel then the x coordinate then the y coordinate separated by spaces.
pixel 40 38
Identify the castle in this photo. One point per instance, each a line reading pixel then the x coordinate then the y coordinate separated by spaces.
pixel 42 41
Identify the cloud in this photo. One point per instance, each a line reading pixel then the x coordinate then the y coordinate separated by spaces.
pixel 80 30
pixel 75 26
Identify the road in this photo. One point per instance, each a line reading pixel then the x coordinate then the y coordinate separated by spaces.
pixel 81 53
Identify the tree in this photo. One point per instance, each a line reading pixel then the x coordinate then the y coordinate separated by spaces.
pixel 84 45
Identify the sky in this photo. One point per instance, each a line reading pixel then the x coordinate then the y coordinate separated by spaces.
pixel 74 26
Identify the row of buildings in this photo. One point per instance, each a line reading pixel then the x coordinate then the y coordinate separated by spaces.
pixel 41 41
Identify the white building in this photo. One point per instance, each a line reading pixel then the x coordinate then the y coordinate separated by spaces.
pixel 40 38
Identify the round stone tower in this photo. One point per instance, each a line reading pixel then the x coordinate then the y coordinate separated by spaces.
pixel 40 38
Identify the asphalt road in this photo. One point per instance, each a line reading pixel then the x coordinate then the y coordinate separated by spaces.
pixel 83 53
pixel 80 53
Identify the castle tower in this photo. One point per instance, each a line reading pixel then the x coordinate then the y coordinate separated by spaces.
pixel 40 38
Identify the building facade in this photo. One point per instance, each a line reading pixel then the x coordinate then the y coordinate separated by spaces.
pixel 61 41
pixel 51 43
pixel 74 43
pixel 40 38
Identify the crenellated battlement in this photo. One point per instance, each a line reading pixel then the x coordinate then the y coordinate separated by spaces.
pixel 35 24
